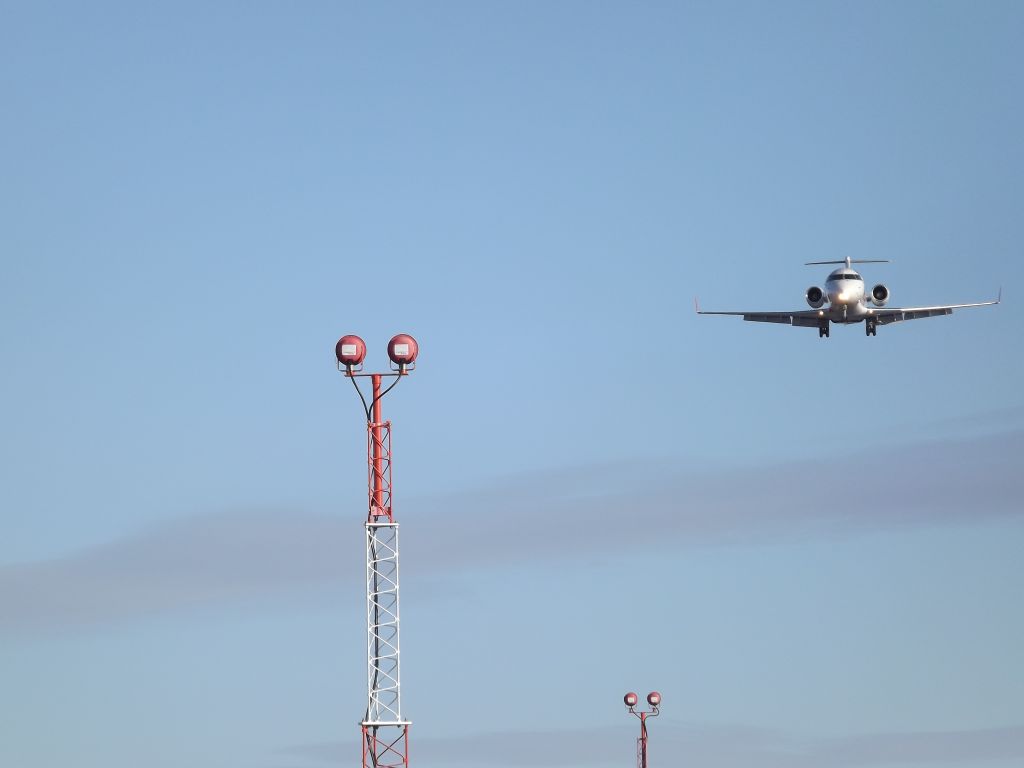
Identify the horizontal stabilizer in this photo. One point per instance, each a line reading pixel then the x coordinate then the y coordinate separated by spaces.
pixel 848 261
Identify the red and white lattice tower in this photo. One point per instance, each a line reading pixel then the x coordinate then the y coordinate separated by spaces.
pixel 385 732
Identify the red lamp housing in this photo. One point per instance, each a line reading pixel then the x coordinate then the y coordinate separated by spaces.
pixel 350 350
pixel 630 699
pixel 402 349
pixel 654 699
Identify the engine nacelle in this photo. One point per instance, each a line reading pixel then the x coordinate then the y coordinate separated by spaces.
pixel 879 295
pixel 815 296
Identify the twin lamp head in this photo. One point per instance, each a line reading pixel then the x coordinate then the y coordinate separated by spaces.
pixel 402 349
pixel 631 699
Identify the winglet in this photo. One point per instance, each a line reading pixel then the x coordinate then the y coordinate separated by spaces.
pixel 696 305
pixel 999 297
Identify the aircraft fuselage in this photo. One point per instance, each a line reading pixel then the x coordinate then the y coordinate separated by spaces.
pixel 844 290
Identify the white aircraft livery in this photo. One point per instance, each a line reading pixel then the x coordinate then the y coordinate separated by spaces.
pixel 843 301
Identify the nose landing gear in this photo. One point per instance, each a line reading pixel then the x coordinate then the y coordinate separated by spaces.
pixel 823 329
pixel 871 327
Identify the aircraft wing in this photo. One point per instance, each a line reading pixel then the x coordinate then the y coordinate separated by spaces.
pixel 898 314
pixel 808 318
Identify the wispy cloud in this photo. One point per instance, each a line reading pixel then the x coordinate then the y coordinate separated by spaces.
pixel 191 562
pixel 977 422
pixel 225 557
pixel 719 746
pixel 608 507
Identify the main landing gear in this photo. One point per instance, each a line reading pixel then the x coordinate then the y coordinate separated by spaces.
pixel 870 327
pixel 823 329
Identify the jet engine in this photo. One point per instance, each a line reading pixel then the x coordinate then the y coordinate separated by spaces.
pixel 815 296
pixel 879 295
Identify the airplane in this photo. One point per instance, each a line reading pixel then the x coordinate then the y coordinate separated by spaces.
pixel 847 303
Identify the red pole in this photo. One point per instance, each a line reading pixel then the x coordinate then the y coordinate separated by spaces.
pixel 378 450
pixel 643 740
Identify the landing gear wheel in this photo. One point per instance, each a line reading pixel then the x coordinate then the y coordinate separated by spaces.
pixel 870 328
pixel 823 329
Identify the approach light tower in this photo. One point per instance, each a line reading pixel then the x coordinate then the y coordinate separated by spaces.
pixel 385 733
pixel 630 700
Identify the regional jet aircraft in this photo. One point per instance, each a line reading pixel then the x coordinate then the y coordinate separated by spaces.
pixel 843 301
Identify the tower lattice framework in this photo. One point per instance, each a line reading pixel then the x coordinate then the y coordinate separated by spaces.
pixel 385 731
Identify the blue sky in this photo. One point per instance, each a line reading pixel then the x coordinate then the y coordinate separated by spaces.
pixel 810 547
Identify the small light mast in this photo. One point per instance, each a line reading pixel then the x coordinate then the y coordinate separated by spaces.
pixel 654 700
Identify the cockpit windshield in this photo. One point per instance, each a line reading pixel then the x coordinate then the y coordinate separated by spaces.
pixel 844 276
